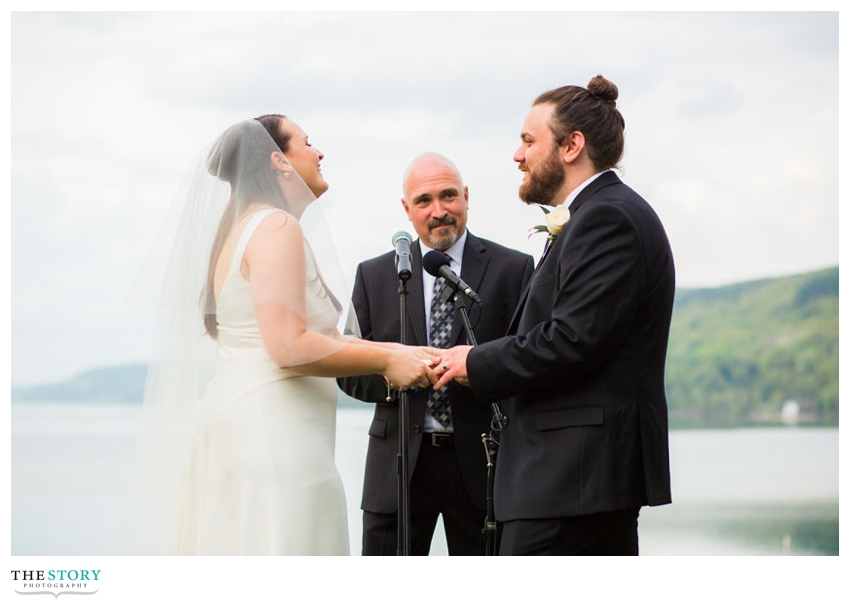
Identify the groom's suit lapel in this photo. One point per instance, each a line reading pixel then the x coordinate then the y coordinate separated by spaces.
pixel 606 179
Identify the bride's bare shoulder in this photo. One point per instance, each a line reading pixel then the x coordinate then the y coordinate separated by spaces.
pixel 278 235
pixel 279 221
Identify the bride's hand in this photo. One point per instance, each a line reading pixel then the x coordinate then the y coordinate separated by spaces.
pixel 411 366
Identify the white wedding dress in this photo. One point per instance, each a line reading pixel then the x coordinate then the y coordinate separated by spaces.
pixel 260 478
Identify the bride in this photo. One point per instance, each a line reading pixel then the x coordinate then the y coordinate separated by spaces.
pixel 248 468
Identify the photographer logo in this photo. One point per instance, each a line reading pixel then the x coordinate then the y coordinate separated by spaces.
pixel 56 582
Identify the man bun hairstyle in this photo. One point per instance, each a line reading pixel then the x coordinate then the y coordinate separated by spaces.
pixel 592 111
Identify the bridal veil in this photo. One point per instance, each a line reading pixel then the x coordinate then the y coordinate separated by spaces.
pixel 229 175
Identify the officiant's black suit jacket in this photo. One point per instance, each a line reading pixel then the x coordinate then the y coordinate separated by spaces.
pixel 498 274
pixel 587 424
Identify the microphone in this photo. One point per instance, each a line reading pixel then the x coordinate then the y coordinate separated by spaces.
pixel 401 242
pixel 437 264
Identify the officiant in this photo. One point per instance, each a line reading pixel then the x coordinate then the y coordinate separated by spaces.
pixel 447 466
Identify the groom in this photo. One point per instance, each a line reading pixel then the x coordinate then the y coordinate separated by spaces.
pixel 586 442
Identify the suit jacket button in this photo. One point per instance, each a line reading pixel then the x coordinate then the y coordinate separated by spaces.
pixel 417 428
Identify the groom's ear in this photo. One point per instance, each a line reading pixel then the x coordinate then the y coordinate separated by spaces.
pixel 572 147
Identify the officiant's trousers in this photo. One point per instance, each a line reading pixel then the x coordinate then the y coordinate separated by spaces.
pixel 436 488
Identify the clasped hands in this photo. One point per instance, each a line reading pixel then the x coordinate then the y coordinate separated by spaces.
pixel 439 367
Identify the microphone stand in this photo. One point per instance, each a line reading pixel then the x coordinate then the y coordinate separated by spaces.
pixel 403 423
pixel 491 442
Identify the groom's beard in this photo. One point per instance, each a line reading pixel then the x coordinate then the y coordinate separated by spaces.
pixel 542 186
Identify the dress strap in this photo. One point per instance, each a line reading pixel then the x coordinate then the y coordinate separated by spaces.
pixel 247 232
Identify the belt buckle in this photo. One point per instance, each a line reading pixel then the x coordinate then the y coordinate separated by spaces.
pixel 438 438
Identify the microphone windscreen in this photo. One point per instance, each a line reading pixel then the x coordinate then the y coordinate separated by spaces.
pixel 433 261
pixel 401 236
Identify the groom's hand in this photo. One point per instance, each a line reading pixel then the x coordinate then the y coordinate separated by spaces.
pixel 454 366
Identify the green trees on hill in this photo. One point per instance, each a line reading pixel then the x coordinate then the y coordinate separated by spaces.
pixel 738 353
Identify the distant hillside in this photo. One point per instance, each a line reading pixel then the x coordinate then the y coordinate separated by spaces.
pixel 124 384
pixel 737 354
pixel 121 384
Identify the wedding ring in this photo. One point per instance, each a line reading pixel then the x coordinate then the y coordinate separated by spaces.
pixel 445 368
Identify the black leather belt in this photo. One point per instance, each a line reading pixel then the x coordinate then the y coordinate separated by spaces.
pixel 439 439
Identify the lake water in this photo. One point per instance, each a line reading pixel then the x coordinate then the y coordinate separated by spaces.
pixel 766 491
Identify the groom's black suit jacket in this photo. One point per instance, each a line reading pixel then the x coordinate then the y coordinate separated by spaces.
pixel 584 360
pixel 498 275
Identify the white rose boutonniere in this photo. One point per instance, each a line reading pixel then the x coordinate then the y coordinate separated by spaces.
pixel 556 219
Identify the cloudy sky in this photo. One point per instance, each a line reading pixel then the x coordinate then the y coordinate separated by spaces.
pixel 731 134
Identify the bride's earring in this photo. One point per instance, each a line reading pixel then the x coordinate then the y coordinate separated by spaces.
pixel 287 174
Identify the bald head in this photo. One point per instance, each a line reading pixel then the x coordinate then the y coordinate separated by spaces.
pixel 428 161
pixel 435 200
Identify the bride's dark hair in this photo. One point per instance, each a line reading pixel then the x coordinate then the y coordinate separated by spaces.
pixel 241 157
